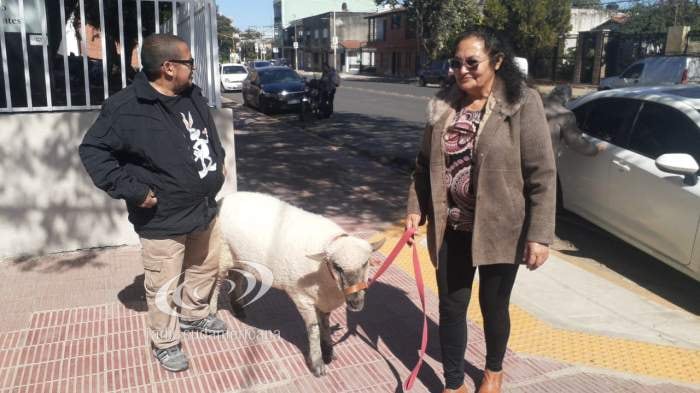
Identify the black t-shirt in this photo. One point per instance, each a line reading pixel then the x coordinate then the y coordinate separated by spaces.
pixel 196 136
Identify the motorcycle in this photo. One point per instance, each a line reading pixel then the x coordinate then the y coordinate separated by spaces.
pixel 317 101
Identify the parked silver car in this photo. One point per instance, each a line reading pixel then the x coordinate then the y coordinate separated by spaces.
pixel 655 71
pixel 642 185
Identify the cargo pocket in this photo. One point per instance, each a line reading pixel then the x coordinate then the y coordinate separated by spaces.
pixel 154 265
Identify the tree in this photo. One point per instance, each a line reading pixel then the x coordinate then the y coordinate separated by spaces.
pixel 225 33
pixel 248 39
pixel 657 17
pixel 594 4
pixel 438 23
pixel 533 26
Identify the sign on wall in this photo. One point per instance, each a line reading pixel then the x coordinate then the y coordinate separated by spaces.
pixel 12 20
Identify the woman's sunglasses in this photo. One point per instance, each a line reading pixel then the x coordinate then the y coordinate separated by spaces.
pixel 471 64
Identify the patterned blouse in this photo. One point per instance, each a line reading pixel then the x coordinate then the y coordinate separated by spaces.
pixel 458 145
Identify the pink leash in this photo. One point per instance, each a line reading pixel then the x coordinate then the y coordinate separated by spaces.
pixel 421 292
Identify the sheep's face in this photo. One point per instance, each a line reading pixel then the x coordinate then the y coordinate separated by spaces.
pixel 349 259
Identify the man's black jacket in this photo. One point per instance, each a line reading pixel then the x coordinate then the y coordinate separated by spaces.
pixel 136 145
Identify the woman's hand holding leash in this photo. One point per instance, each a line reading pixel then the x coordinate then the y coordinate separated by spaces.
pixel 412 221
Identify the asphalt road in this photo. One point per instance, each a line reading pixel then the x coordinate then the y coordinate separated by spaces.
pixel 384 121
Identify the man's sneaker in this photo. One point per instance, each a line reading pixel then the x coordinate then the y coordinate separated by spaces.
pixel 209 325
pixel 172 359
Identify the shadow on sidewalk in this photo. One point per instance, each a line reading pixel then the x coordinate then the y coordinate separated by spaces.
pixel 313 175
pixel 133 296
pixel 590 241
pixel 388 328
pixel 387 140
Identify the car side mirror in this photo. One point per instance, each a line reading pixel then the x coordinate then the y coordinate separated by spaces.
pixel 680 164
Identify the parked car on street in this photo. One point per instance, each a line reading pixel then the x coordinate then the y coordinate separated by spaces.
pixel 259 64
pixel 437 71
pixel 273 88
pixel 655 71
pixel 642 185
pixel 232 76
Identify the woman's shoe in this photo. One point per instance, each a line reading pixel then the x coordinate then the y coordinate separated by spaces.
pixel 461 389
pixel 492 382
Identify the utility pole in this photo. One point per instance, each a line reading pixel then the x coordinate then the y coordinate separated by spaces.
pixel 334 40
pixel 296 48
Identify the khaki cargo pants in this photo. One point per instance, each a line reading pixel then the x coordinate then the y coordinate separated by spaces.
pixel 179 275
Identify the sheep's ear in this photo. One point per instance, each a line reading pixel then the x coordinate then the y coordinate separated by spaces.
pixel 378 244
pixel 321 257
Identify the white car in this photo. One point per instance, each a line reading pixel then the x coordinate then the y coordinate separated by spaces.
pixel 656 71
pixel 642 186
pixel 232 76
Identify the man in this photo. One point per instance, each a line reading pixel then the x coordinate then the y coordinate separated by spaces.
pixel 155 145
pixel 330 81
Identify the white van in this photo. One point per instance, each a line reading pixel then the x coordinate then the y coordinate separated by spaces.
pixel 655 71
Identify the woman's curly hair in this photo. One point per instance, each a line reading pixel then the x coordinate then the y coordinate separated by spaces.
pixel 498 47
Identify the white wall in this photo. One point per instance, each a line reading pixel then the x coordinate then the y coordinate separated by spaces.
pixel 583 19
pixel 47 201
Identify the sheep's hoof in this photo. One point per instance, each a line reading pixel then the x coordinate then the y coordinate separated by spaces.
pixel 327 351
pixel 318 368
pixel 319 371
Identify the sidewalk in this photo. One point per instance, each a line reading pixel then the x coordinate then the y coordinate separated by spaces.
pixel 75 321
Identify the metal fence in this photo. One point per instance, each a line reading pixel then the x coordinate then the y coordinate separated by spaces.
pixel 53 61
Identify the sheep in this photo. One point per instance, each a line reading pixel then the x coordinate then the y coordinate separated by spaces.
pixel 310 257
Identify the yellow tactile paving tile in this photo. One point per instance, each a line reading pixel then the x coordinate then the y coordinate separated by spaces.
pixel 530 335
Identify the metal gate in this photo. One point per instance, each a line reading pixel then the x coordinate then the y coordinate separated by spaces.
pixel 52 61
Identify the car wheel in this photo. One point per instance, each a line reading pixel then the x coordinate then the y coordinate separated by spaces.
pixel 421 82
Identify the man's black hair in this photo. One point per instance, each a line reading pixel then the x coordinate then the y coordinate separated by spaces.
pixel 157 49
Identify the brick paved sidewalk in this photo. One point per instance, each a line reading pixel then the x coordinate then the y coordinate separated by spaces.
pixel 104 347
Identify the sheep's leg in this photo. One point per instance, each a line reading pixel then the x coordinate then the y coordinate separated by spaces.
pixel 313 330
pixel 239 283
pixel 326 341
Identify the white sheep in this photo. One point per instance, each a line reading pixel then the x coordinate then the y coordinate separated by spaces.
pixel 310 257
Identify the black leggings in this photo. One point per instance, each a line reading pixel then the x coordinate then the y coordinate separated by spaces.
pixel 454 276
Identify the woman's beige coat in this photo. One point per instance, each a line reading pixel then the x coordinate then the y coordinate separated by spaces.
pixel 513 173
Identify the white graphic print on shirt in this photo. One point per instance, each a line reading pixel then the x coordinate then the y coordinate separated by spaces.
pixel 200 146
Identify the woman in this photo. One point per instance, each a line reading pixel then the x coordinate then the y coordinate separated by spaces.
pixel 485 181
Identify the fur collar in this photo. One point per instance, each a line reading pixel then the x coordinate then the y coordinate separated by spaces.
pixel 449 99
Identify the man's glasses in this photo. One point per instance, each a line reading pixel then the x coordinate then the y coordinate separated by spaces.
pixel 471 64
pixel 189 62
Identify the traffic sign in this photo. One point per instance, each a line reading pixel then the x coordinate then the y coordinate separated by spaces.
pixel 274 50
pixel 296 45
pixel 334 42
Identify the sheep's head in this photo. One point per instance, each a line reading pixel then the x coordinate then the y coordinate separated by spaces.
pixel 348 258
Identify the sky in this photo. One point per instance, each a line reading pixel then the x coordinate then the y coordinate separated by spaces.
pixel 247 13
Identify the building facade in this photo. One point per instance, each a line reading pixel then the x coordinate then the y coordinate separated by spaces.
pixel 392 46
pixel 287 11
pixel 314 36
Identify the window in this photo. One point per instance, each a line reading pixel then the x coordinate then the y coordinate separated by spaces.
pixel 325 32
pixel 316 34
pixel 395 21
pixel 662 129
pixel 634 71
pixel 607 119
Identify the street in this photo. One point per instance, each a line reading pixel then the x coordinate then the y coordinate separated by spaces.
pixel 383 121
